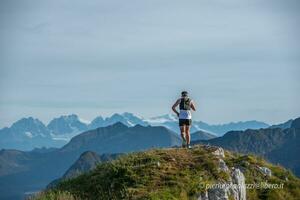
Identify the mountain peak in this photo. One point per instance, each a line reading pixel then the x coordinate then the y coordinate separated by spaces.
pixel 70 117
pixel 29 127
pixel 27 120
pixel 130 115
pixel 66 124
pixel 118 125
pixel 296 123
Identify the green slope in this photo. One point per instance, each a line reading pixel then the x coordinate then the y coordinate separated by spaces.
pixel 173 173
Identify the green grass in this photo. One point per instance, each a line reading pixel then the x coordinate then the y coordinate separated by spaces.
pixel 170 174
pixel 54 195
pixel 249 164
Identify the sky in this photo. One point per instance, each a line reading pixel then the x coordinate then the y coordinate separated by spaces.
pixel 239 59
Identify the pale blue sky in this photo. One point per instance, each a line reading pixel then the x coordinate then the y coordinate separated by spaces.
pixel 238 58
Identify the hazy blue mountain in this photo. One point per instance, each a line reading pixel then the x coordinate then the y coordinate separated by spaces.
pixel 284 125
pixel 96 123
pixel 29 127
pixel 171 122
pixel 29 133
pixel 221 129
pixel 44 150
pixel 66 124
pixel 201 135
pixel 26 134
pixel 275 144
pixel 126 118
pixel 32 171
pixel 11 161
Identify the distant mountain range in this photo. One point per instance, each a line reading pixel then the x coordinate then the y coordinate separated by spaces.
pixel 29 133
pixel 31 171
pixel 280 146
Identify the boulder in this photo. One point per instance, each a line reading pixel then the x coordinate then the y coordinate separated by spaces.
pixel 219 152
pixel 266 171
pixel 233 189
pixel 238 190
pixel 222 166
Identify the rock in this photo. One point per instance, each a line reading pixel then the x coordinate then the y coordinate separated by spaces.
pixel 266 171
pixel 218 194
pixel 219 152
pixel 158 164
pixel 203 196
pixel 222 166
pixel 233 189
pixel 238 190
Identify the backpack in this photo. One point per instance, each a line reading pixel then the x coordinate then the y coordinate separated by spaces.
pixel 185 104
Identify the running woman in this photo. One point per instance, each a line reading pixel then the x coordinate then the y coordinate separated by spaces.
pixel 185 117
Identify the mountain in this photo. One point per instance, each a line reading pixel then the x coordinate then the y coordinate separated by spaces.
pixel 31 171
pixel 126 118
pixel 11 161
pixel 60 130
pixel 86 162
pixel 201 135
pixel 171 122
pixel 284 125
pixel 120 138
pixel 221 129
pixel 203 173
pixel 26 134
pixel 275 144
pixel 97 122
pixel 29 127
pixel 66 124
pixel 296 123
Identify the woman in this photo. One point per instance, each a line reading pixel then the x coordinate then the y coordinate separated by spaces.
pixel 185 117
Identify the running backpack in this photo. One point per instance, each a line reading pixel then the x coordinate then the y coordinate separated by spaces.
pixel 185 104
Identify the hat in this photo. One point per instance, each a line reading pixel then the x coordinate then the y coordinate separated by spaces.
pixel 184 93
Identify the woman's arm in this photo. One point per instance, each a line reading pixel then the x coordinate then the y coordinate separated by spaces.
pixel 193 106
pixel 174 107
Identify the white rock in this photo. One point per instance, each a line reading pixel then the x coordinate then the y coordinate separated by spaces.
pixel 222 166
pixel 203 196
pixel 218 194
pixel 234 188
pixel 219 152
pixel 239 187
pixel 266 171
pixel 158 164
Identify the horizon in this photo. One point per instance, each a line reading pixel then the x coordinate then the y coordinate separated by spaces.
pixel 239 63
pixel 88 121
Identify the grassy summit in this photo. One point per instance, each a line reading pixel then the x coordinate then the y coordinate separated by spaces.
pixel 173 173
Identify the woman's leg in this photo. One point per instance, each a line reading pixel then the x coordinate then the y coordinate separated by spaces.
pixel 187 134
pixel 182 133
